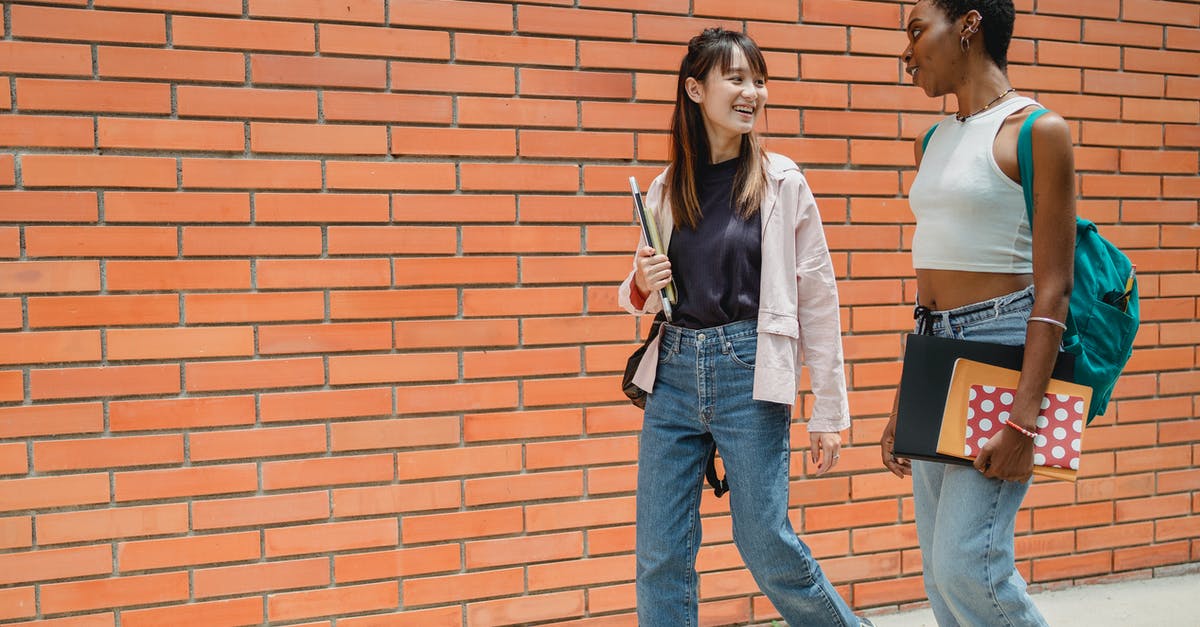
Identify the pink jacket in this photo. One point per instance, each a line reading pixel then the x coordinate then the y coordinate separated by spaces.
pixel 798 301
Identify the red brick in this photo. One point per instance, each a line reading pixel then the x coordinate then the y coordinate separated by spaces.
pixel 464 587
pixel 233 34
pixel 333 601
pixel 17 603
pixel 55 564
pixel 36 94
pixel 170 135
pixel 321 208
pixel 108 452
pixel 626 55
pixel 191 65
pixel 238 102
pixel 459 209
pixel 26 57
pixel 390 175
pixel 256 307
pixel 104 524
pixel 104 381
pixel 267 69
pixel 29 206
pixel 1122 83
pixel 256 443
pixel 16 532
pixel 854 12
pixel 97 171
pixel 188 551
pixel 323 404
pixel 394 434
pixel 245 173
pixel 183 413
pixel 527 487
pixel 280 339
pixel 455 333
pixel 338 536
pixel 267 576
pixel 179 342
pixel 107 311
pixel 254 374
pixel 1151 556
pixel 176 207
pixel 400 563
pixel 182 482
pixel 589 513
pixel 59 598
pixel 49 347
pixel 524 550
pixel 46 131
pixel 340 139
pixel 546 82
pixel 322 273
pixel 260 511
pixel 392 304
pixel 524 609
pixel 453 142
pixel 228 613
pixel 475 111
pixel 325 471
pixel 473 460
pixel 455 79
pixel 394 499
pixel 452 15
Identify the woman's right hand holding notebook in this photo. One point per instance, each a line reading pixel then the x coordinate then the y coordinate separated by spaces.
pixel 653 270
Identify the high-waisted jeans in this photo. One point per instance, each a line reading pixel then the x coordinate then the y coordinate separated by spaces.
pixel 965 520
pixel 703 390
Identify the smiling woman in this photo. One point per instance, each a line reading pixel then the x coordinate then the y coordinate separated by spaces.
pixel 747 254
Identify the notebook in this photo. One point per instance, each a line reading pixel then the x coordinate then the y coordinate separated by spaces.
pixel 977 406
pixel 925 382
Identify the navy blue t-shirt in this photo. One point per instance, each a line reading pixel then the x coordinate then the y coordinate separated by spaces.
pixel 716 266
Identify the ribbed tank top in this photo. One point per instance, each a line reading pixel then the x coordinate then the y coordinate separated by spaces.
pixel 970 215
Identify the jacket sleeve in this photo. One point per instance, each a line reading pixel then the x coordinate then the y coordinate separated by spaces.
pixel 820 321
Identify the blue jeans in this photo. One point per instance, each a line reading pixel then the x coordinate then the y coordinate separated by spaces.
pixel 703 390
pixel 965 520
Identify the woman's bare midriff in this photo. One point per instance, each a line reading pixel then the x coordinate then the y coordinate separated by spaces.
pixel 940 290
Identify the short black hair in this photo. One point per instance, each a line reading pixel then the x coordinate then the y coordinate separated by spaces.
pixel 998 18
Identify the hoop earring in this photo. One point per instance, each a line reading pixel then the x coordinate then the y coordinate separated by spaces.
pixel 965 44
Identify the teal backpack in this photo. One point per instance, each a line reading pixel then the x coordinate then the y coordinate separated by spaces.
pixel 1103 315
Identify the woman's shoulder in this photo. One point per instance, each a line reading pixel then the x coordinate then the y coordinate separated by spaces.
pixel 780 167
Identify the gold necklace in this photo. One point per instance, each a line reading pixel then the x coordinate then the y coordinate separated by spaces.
pixel 963 118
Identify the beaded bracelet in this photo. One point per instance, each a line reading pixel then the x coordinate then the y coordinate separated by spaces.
pixel 1025 432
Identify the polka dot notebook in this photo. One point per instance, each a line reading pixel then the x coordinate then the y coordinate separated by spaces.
pixel 980 401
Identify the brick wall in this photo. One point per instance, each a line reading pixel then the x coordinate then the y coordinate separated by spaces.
pixel 309 305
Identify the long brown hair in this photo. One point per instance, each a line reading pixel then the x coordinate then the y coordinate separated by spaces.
pixel 711 49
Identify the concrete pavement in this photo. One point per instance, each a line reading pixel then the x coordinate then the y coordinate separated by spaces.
pixel 1171 598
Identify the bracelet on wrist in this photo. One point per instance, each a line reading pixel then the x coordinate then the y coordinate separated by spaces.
pixel 1022 430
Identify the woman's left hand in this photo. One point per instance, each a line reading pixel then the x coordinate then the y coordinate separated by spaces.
pixel 825 450
pixel 1008 456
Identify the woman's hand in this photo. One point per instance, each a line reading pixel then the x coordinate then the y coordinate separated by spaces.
pixel 1008 456
pixel 824 450
pixel 887 447
pixel 653 270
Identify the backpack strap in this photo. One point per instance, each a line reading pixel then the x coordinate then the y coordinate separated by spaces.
pixel 1025 160
pixel 928 135
pixel 719 485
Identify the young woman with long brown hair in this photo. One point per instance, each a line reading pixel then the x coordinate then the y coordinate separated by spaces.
pixel 747 254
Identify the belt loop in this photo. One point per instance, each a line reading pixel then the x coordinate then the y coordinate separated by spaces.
pixel 945 319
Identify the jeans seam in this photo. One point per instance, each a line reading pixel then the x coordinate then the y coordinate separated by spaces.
pixel 693 514
pixel 990 551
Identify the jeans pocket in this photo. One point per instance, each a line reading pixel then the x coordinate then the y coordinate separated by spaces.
pixel 743 351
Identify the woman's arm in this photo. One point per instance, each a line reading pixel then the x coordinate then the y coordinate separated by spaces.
pixel 1009 455
pixel 820 319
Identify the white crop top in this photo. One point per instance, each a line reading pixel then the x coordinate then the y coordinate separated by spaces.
pixel 970 215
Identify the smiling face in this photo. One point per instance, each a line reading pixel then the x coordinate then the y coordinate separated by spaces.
pixel 730 99
pixel 933 57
